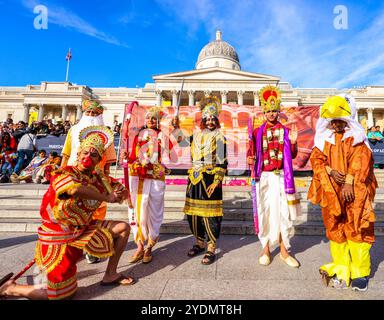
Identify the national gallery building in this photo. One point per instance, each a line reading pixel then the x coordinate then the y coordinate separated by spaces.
pixel 218 72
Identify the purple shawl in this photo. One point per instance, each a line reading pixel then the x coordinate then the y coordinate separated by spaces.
pixel 289 182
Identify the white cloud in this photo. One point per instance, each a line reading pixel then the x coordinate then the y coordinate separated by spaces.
pixel 67 19
pixel 295 40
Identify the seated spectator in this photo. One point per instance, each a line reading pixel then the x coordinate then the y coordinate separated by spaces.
pixel 374 135
pixel 44 174
pixel 30 171
pixel 8 156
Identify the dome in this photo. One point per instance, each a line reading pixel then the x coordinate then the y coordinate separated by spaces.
pixel 218 53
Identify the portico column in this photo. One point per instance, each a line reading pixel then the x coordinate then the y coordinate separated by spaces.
pixel 64 112
pixel 240 94
pixel 174 98
pixel 41 112
pixel 26 112
pixel 370 117
pixel 224 96
pixel 191 97
pixel 158 97
pixel 256 101
pixel 79 112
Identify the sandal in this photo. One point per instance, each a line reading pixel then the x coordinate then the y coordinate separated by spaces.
pixel 118 281
pixel 3 280
pixel 195 251
pixel 208 258
pixel 136 258
pixel 147 258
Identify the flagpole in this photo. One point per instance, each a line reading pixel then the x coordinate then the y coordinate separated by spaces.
pixel 68 58
pixel 66 76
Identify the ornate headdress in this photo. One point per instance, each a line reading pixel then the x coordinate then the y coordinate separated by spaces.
pixel 156 112
pixel 210 106
pixel 92 105
pixel 270 98
pixel 97 137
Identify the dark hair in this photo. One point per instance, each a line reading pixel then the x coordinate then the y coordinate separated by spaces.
pixel 53 153
pixel 42 150
pixel 32 130
pixel 204 121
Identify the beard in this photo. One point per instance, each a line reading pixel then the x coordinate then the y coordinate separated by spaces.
pixel 87 121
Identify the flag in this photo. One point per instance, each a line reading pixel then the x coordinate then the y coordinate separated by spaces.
pixel 69 55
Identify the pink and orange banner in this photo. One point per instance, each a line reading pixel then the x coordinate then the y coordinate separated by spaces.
pixel 234 124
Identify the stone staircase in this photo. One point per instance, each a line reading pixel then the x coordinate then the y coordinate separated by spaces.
pixel 19 209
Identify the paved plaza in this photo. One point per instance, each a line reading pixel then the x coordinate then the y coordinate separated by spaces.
pixel 235 275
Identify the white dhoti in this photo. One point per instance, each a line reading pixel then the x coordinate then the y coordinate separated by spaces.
pixel 147 196
pixel 273 212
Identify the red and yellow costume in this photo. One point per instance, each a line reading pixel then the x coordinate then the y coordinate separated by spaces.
pixel 147 180
pixel 68 229
pixel 72 143
pixel 349 225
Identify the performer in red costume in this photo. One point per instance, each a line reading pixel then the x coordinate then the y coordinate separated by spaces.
pixel 68 226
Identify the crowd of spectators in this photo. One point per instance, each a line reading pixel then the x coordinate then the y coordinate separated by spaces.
pixel 19 158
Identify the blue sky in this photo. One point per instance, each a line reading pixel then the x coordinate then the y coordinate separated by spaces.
pixel 124 43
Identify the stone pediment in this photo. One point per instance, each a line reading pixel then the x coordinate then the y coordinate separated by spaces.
pixel 215 74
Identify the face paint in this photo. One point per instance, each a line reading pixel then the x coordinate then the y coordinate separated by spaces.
pixel 87 162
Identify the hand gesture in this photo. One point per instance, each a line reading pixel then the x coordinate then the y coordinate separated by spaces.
pixel 113 197
pixel 250 160
pixel 211 189
pixel 338 176
pixel 293 134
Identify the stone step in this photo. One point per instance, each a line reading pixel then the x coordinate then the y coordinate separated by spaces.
pixel 182 227
pixel 172 191
pixel 243 214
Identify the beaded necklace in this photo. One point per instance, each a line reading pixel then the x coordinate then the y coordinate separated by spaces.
pixel 273 145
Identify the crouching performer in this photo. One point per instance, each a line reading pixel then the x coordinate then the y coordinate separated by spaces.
pixel 68 229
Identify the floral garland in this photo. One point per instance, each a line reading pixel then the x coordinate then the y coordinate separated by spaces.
pixel 273 146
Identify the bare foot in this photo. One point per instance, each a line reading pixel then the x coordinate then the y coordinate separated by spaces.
pixel 6 288
pixel 118 278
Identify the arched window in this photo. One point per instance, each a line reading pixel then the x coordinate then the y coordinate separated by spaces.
pixel 216 63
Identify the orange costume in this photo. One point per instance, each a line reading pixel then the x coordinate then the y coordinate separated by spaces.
pixel 69 228
pixel 349 225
